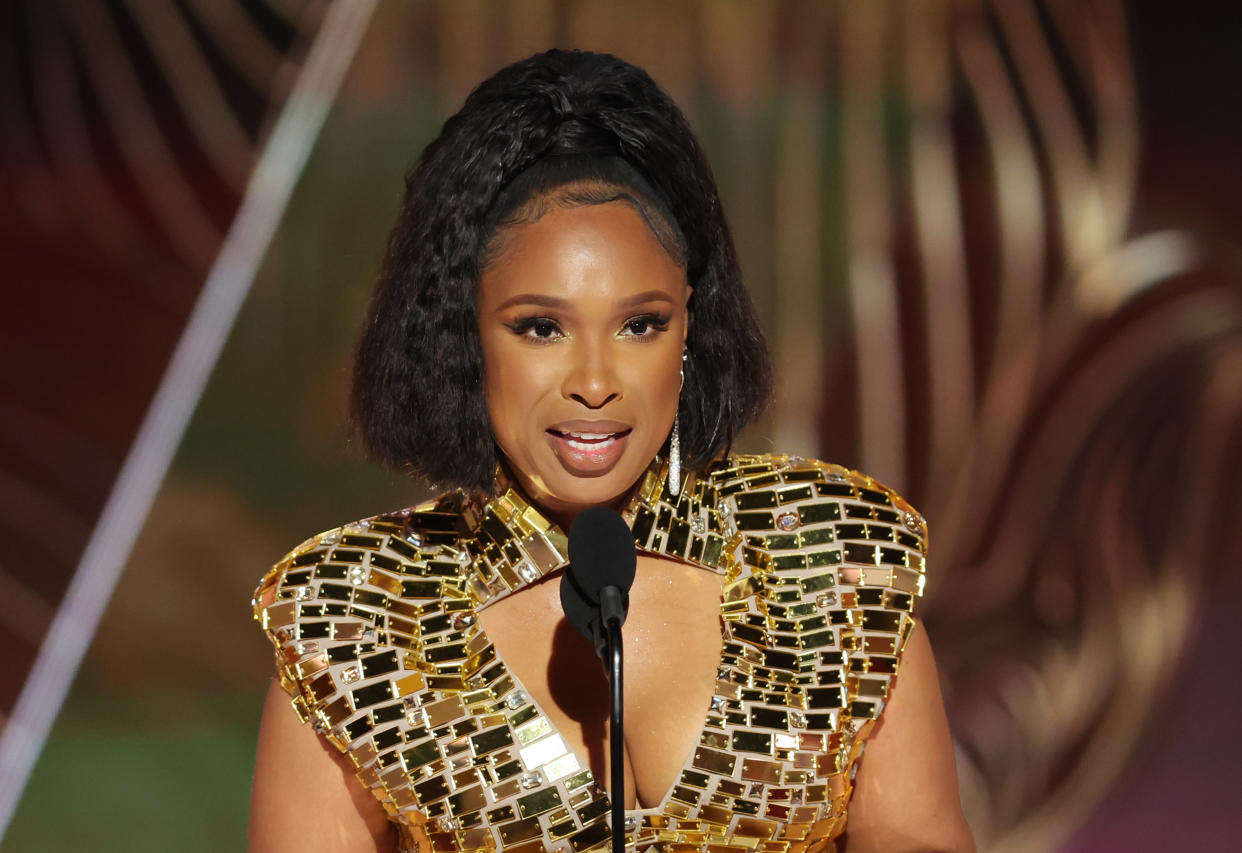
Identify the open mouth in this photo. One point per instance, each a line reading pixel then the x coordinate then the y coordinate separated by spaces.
pixel 589 449
pixel 590 442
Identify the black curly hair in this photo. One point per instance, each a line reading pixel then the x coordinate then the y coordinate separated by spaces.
pixel 418 400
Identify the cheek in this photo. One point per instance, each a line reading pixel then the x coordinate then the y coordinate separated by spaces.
pixel 497 387
pixel 513 378
pixel 667 388
pixel 659 385
pixel 515 381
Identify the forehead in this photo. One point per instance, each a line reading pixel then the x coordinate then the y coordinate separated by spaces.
pixel 580 250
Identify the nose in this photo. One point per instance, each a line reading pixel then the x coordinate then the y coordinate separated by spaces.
pixel 591 378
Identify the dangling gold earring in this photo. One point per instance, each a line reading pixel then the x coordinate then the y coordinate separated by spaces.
pixel 674 441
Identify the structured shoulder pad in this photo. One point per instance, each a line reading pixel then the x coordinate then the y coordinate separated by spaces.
pixel 345 612
pixel 828 546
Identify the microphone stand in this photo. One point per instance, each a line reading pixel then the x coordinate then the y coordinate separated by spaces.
pixel 608 647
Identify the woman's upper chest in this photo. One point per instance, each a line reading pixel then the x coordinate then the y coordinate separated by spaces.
pixel 672 642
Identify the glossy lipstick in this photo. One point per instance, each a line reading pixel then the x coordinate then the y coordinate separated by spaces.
pixel 589 448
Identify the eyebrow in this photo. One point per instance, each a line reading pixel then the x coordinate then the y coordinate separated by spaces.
pixel 557 302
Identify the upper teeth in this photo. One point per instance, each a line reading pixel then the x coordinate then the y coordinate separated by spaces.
pixel 589 436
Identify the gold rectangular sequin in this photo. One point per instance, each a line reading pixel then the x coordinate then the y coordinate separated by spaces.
pixel 376 629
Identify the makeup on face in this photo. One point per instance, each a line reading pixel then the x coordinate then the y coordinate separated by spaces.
pixel 583 321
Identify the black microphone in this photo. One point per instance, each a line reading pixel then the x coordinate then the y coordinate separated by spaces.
pixel 595 588
pixel 595 595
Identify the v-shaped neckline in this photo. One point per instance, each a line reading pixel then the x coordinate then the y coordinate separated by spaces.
pixel 639 810
pixel 541 550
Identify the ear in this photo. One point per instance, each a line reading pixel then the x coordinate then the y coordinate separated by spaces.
pixel 685 327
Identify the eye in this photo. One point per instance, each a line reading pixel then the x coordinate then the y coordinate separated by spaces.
pixel 646 325
pixel 539 329
pixel 542 328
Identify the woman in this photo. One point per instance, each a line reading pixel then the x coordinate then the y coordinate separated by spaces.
pixel 560 323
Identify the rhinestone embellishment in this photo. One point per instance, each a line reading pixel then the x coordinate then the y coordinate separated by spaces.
pixel 450 730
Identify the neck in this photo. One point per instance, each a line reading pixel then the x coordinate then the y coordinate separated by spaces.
pixel 559 513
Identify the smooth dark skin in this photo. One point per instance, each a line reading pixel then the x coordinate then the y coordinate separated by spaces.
pixel 594 261
pixel 613 320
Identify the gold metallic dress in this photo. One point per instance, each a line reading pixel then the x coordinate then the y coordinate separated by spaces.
pixel 377 639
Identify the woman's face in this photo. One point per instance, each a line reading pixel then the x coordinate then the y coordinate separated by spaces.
pixel 583 322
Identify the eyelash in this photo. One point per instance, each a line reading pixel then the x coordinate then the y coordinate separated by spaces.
pixel 523 327
pixel 656 322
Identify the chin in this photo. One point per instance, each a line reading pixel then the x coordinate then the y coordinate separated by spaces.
pixel 565 490
pixel 554 486
pixel 582 492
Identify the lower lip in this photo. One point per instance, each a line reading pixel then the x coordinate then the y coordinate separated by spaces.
pixel 588 458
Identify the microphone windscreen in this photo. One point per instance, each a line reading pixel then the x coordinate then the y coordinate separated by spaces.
pixel 601 552
pixel 580 612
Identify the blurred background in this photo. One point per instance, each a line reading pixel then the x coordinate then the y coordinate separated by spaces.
pixel 996 244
